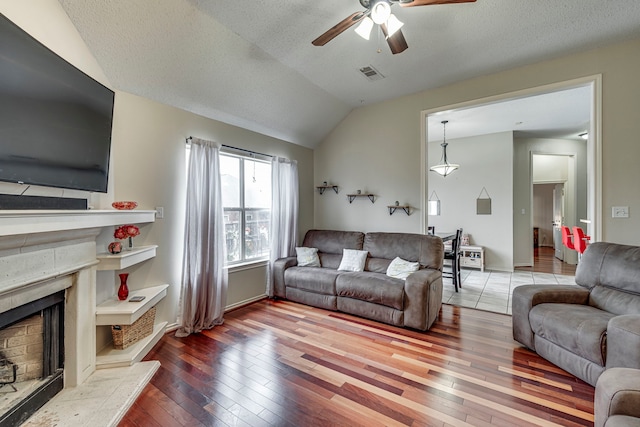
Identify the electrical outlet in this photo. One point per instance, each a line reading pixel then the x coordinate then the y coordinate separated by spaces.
pixel 620 212
pixel 159 212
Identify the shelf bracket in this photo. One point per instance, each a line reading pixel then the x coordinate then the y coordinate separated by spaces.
pixel 406 209
pixel 323 188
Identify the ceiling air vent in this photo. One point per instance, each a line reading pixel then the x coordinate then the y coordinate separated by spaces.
pixel 371 73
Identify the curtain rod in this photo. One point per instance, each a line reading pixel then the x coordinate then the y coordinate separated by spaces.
pixel 188 141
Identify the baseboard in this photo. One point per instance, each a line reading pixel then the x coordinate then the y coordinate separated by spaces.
pixel 244 303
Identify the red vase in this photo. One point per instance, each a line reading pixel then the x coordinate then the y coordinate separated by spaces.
pixel 123 290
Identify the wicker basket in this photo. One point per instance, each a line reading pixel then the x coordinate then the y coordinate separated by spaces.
pixel 126 335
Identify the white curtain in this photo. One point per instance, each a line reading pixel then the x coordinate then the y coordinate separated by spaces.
pixel 284 212
pixel 204 279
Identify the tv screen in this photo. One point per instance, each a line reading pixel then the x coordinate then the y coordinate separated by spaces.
pixel 55 121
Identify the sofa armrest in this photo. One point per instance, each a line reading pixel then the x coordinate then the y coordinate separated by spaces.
pixel 623 342
pixel 528 296
pixel 423 298
pixel 617 394
pixel 279 267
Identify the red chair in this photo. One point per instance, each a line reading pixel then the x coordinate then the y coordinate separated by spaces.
pixel 580 241
pixel 567 238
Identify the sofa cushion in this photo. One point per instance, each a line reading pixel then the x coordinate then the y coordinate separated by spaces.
pixel 580 329
pixel 333 242
pixel 401 269
pixel 426 249
pixel 315 279
pixel 307 257
pixel 353 260
pixel 371 287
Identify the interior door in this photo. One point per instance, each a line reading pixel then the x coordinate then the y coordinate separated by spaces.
pixel 558 220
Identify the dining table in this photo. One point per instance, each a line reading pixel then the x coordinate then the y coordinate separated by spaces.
pixel 446 236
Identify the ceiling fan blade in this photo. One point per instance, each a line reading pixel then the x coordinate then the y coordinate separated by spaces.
pixel 396 42
pixel 411 3
pixel 339 28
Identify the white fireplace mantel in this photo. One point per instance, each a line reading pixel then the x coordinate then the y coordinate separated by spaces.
pixel 39 250
pixel 14 223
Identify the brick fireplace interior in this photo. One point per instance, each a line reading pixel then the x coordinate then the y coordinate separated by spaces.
pixel 31 357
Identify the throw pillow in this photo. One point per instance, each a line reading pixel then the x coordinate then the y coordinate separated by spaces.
pixel 401 269
pixel 307 257
pixel 353 260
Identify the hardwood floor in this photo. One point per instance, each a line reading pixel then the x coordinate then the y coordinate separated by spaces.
pixel 544 261
pixel 285 364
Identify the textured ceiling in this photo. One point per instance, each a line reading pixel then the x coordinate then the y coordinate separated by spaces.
pixel 251 63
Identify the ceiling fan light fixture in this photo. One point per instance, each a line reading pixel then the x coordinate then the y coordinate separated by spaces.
pixel 393 25
pixel 380 12
pixel 364 29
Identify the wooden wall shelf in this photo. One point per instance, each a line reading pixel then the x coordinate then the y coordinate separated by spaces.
pixel 322 188
pixel 405 208
pixel 352 197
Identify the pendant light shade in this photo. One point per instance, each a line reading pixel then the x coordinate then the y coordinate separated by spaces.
pixel 444 168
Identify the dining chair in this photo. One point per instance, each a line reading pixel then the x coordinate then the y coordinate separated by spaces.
pixel 580 241
pixel 454 256
pixel 567 237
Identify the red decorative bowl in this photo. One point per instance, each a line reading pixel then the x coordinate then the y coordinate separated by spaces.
pixel 124 206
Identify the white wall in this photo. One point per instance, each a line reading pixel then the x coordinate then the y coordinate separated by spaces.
pixel 379 145
pixel 486 161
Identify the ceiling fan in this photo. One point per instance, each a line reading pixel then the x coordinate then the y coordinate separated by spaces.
pixel 379 12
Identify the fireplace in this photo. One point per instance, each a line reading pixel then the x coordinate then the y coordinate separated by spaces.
pixel 48 274
pixel 31 357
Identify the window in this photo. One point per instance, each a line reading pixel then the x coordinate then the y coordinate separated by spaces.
pixel 246 197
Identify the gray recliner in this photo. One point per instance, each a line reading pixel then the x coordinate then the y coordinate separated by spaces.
pixel 617 400
pixel 590 327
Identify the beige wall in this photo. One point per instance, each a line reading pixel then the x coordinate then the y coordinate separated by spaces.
pixel 379 145
pixel 148 156
pixel 148 162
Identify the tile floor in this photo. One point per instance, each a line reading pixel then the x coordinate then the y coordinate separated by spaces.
pixel 491 290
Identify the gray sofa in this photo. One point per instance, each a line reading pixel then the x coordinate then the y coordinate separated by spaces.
pixel 414 302
pixel 591 327
pixel 617 399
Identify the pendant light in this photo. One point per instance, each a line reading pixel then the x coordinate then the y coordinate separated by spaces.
pixel 444 168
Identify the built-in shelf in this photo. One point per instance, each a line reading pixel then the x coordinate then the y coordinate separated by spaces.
pixel 116 312
pixel 352 197
pixel 405 208
pixel 112 358
pixel 126 258
pixel 322 188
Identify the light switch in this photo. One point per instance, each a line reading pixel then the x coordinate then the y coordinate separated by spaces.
pixel 620 212
pixel 159 212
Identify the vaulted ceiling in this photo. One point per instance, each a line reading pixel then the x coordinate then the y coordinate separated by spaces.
pixel 252 64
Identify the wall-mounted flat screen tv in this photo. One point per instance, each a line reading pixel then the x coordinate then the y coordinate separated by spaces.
pixel 55 121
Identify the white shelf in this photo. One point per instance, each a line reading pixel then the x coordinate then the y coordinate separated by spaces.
pixel 125 258
pixel 116 312
pixel 472 257
pixel 112 358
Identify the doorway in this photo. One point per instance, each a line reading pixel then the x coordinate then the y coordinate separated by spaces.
pixel 521 228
